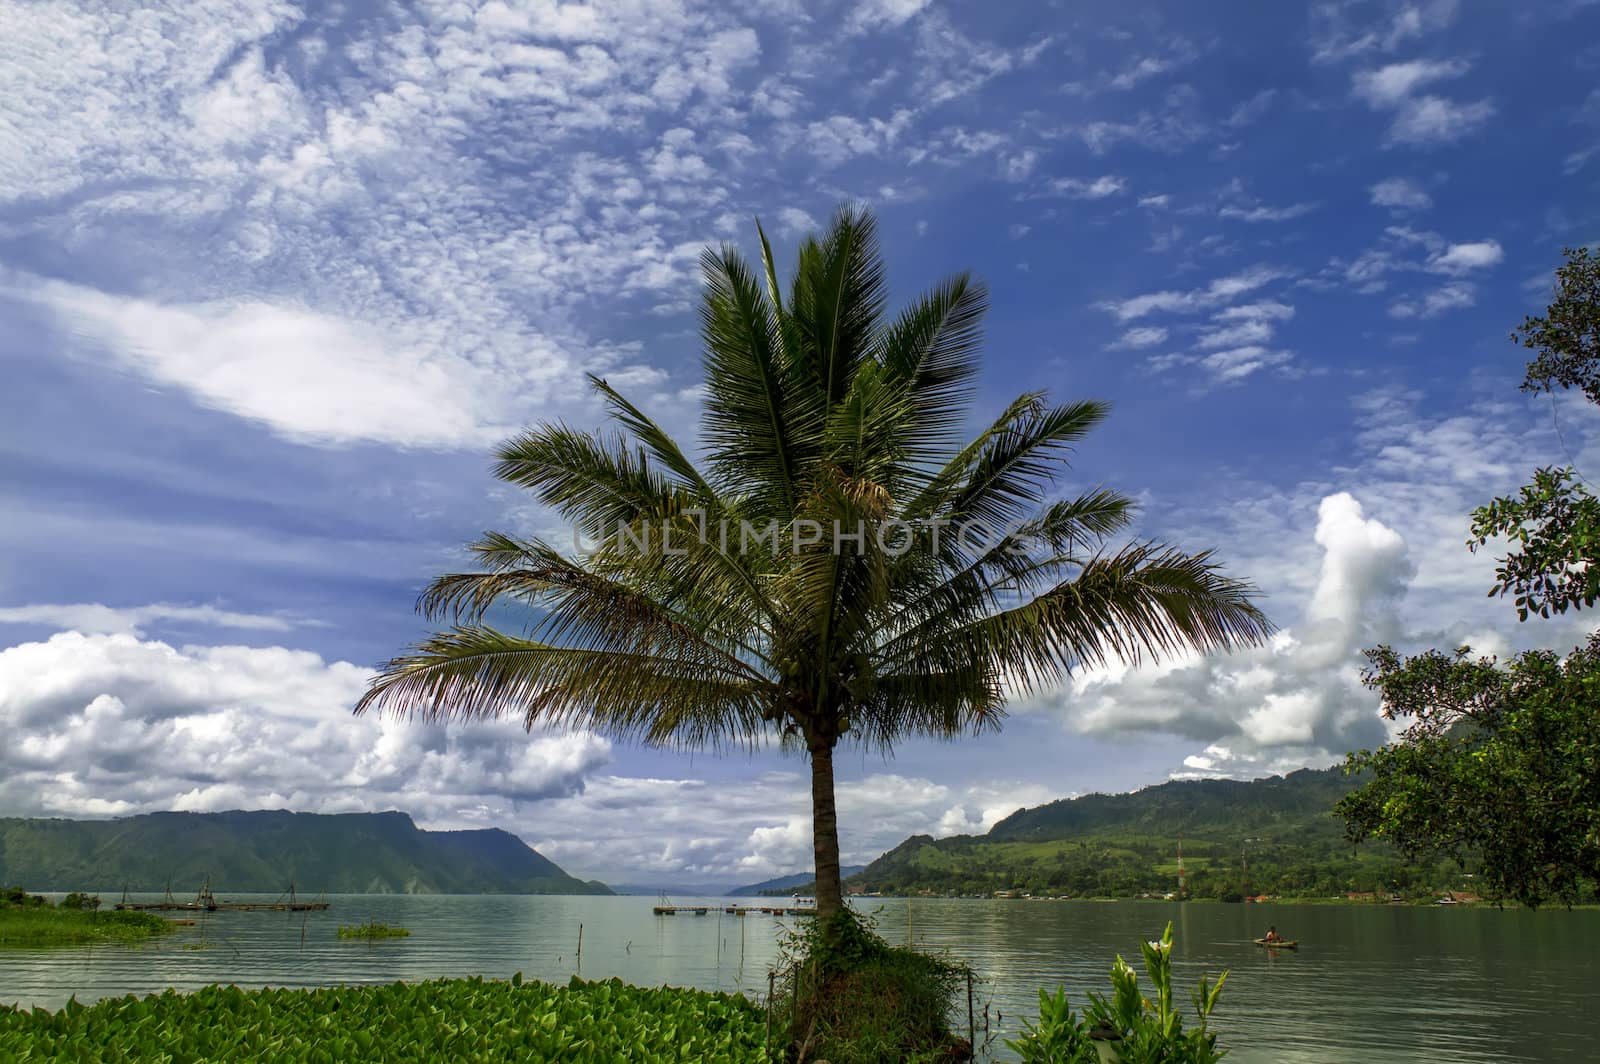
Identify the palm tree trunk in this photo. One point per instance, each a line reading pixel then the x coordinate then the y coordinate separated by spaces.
pixel 825 830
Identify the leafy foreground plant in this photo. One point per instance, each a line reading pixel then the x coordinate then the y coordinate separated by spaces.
pixel 1138 1030
pixel 372 930
pixel 446 1019
pixel 851 998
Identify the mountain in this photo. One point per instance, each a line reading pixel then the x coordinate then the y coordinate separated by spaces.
pixel 784 884
pixel 373 853
pixel 1276 835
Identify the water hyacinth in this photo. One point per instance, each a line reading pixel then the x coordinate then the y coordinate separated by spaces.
pixel 446 1019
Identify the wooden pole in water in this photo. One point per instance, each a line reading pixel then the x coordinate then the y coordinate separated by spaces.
pixel 580 945
pixel 972 1028
pixel 772 979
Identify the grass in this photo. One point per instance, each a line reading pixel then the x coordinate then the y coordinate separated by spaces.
pixel 443 1019
pixel 42 926
pixel 372 931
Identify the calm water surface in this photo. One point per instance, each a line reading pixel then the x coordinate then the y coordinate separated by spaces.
pixel 1370 984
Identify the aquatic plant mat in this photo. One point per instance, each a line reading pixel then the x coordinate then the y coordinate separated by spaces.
pixel 445 1019
pixel 45 926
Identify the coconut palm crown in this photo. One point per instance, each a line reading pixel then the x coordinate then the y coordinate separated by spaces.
pixel 834 563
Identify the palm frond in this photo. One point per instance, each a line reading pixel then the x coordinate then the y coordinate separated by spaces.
pixel 477 673
pixel 750 391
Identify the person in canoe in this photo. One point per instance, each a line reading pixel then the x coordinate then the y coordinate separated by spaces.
pixel 1272 935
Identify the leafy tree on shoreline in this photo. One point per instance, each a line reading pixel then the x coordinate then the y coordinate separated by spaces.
pixel 1502 764
pixel 912 578
pixel 1553 523
pixel 1498 765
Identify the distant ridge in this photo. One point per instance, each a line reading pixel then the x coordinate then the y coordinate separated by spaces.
pixel 1276 835
pixel 794 882
pixel 340 853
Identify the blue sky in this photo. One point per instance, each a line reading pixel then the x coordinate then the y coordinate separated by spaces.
pixel 273 280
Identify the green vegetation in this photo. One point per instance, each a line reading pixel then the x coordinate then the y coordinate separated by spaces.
pixel 466 1019
pixel 355 853
pixel 1274 836
pixel 372 930
pixel 849 997
pixel 844 566
pixel 1553 524
pixel 28 921
pixel 1501 765
pixel 1139 1030
pixel 1498 765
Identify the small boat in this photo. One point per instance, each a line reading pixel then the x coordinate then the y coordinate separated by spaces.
pixel 1280 944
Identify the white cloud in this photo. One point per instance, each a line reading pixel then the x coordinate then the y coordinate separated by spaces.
pixel 1297 700
pixel 1337 35
pixel 1143 336
pixel 1098 188
pixel 1464 258
pixel 1222 290
pixel 1441 300
pixel 96 619
pixel 99 724
pixel 1421 120
pixel 1268 214
pixel 311 376
pixel 1267 310
pixel 1390 85
pixel 1243 332
pixel 1402 194
pixel 1435 120
pixel 839 138
pixel 1235 364
pixel 878 14
pixel 793 221
pixel 412 291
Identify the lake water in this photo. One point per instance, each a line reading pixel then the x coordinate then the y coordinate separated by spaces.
pixel 1371 984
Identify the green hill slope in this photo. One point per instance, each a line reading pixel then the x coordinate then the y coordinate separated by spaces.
pixel 1269 836
pixel 267 850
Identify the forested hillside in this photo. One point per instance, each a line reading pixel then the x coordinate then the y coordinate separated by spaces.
pixel 1269 836
pixel 268 850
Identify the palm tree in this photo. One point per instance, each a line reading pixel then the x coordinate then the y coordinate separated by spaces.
pixel 834 564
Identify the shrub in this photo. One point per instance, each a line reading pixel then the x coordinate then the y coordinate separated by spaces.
pixel 1142 1032
pixel 76 900
pixel 16 897
pixel 854 999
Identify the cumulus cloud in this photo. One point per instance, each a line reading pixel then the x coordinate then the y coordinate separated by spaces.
pixel 1383 561
pixel 1296 699
pixel 1464 258
pixel 114 724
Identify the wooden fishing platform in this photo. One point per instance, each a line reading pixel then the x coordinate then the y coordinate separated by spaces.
pixel 207 902
pixel 735 910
